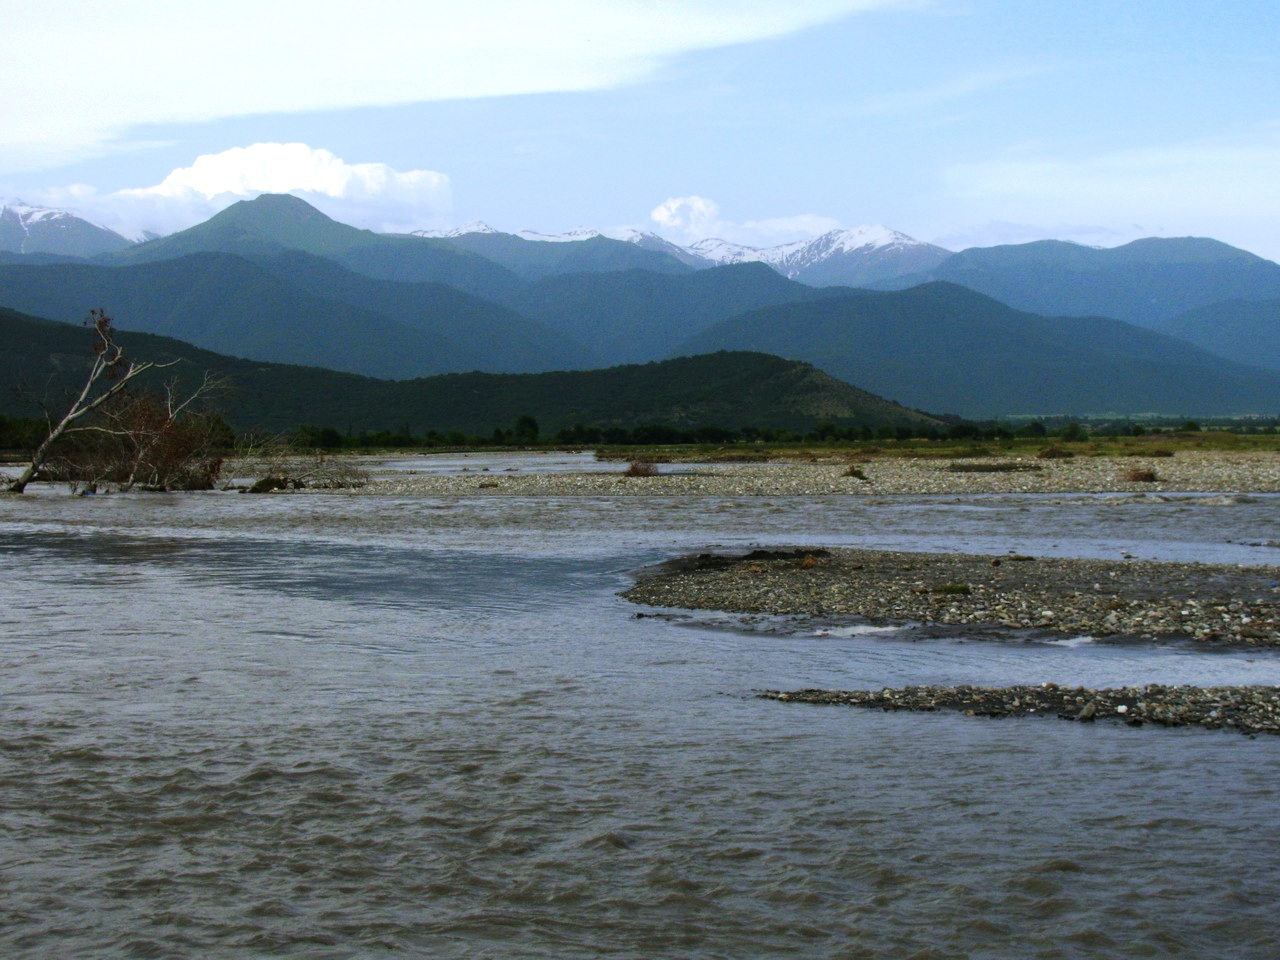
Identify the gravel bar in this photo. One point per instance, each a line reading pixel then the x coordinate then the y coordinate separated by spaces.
pixel 1249 710
pixel 1116 599
pixel 1187 472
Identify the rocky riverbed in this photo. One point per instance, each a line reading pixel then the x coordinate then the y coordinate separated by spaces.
pixel 1246 709
pixel 1105 599
pixel 1188 472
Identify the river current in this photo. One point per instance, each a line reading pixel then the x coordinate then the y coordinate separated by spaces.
pixel 327 726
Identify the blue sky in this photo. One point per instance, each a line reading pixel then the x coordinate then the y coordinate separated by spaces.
pixel 962 122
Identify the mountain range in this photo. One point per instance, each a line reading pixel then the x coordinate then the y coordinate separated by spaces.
pixel 273 279
pixel 1148 282
pixel 47 360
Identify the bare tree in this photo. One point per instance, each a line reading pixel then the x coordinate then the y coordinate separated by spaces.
pixel 144 419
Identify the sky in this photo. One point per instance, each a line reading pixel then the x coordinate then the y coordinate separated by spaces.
pixel 958 122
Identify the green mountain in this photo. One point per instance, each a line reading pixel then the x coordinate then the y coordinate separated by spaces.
pixel 305 311
pixel 267 224
pixel 275 223
pixel 723 389
pixel 943 347
pixel 1241 330
pixel 1145 282
pixel 638 315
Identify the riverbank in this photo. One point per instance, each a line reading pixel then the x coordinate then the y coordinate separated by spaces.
pixel 1245 709
pixel 1104 599
pixel 1194 471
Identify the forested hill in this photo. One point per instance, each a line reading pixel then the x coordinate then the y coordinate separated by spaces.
pixel 727 389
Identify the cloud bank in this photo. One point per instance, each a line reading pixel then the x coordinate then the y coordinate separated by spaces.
pixel 79 76
pixel 687 219
pixel 370 195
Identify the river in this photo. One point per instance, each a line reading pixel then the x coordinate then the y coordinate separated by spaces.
pixel 332 726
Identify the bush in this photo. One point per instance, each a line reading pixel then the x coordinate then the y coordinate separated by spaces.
pixel 641 468
pixel 1055 453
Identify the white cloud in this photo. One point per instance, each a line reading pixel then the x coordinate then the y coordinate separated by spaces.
pixel 80 75
pixel 371 195
pixel 691 217
pixel 687 219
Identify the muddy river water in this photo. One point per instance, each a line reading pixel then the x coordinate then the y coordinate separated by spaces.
pixel 333 726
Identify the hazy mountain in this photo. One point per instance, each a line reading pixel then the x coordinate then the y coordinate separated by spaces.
pixel 1144 282
pixel 1241 330
pixel 838 258
pixel 39 230
pixel 486 336
pixel 640 238
pixel 946 348
pixel 726 389
pixel 226 303
pixel 639 315
pixel 533 256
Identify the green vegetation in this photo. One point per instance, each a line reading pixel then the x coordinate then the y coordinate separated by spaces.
pixel 714 398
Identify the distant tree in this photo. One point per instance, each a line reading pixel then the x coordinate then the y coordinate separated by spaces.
pixel 146 423
pixel 526 430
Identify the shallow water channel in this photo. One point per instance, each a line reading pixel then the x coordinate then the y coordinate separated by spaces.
pixel 334 726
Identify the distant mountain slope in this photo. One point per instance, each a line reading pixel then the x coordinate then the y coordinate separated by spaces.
pixel 591 252
pixel 725 389
pixel 276 223
pixel 1240 330
pixel 1144 282
pixel 225 303
pixel 488 336
pixel 27 229
pixel 850 258
pixel 638 315
pixel 945 348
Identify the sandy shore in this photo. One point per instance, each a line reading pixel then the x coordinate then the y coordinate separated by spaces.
pixel 1187 472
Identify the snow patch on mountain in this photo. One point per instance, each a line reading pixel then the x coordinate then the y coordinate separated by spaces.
pixel 863 254
pixel 25 228
pixel 475 226
pixel 791 259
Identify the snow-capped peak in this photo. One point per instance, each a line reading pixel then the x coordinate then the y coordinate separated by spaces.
pixel 475 226
pixel 26 213
pixel 793 258
pixel 25 228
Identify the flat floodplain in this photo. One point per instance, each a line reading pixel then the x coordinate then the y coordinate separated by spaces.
pixel 426 723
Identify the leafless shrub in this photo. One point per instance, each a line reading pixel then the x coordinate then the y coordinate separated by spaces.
pixel 641 468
